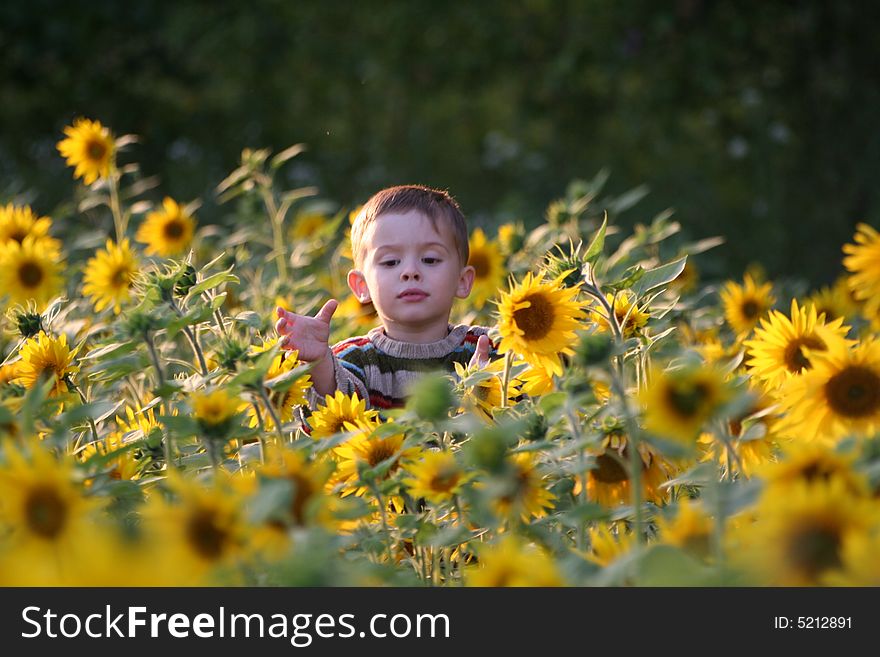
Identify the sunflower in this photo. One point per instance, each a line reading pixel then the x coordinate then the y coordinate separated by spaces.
pixel 511 563
pixel 46 355
pixel 17 223
pixel 90 148
pixel 367 450
pixel 608 481
pixel 534 381
pixel 338 409
pixel 214 411
pixel 307 224
pixel 202 531
pixel 524 492
pixel 308 502
pixel 109 276
pixel 123 466
pixel 630 318
pixel 42 509
pixel 511 237
pixel 839 395
pixel 608 543
pixel 745 304
pixel 30 271
pixel 777 350
pixel 678 403
pixel 168 231
pixel 488 263
pixel 538 319
pixel 362 315
pixel 691 530
pixel 861 567
pixel 283 401
pixel 799 538
pixel 835 301
pixel 863 263
pixel 814 463
pixel 437 477
pixel 484 396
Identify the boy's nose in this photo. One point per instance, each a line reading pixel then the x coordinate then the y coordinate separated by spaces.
pixel 410 275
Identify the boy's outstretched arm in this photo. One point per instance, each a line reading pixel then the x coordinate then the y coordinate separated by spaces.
pixel 310 336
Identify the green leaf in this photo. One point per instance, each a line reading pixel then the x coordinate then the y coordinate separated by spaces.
pixel 598 242
pixel 114 349
pixel 213 281
pixel 285 381
pixel 250 318
pixel 180 425
pixel 658 276
pixel 287 154
pixel 272 499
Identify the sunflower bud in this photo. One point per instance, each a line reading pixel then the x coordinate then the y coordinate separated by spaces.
pixel 431 398
pixel 593 349
pixel 28 322
pixel 230 353
pixel 486 451
pixel 536 428
pixel 186 280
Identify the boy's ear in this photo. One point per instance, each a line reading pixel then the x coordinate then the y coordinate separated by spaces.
pixel 465 282
pixel 358 285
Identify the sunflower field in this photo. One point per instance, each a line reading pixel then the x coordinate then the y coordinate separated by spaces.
pixel 641 427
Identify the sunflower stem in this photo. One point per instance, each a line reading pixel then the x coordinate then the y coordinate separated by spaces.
pixel 119 222
pixel 192 337
pixel 271 410
pixel 261 437
pixel 505 378
pixel 85 401
pixel 277 232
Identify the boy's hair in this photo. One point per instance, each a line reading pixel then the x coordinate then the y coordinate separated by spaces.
pixel 435 204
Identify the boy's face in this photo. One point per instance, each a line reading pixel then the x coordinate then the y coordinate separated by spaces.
pixel 411 273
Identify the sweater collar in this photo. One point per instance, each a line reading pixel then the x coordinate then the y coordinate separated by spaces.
pixel 436 349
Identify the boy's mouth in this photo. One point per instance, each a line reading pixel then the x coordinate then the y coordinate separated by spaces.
pixel 412 294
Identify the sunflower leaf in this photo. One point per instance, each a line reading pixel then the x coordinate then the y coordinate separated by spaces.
pixel 658 276
pixel 598 242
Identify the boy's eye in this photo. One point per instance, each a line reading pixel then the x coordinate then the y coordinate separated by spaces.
pixel 389 263
pixel 430 261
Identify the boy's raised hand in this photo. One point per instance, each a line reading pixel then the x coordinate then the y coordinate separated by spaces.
pixel 310 336
pixel 481 353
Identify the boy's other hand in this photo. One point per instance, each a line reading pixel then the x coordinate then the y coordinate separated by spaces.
pixel 481 353
pixel 310 336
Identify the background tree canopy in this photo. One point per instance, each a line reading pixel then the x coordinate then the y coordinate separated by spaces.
pixel 756 121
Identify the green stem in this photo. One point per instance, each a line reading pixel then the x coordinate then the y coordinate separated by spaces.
pixel 115 207
pixel 261 437
pixel 193 339
pixel 82 397
pixel 271 410
pixel 505 378
pixel 277 233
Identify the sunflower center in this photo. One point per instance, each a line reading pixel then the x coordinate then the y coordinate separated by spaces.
pixel 444 481
pixel 608 470
pixel 854 392
pixel 750 309
pixel 535 321
pixel 815 550
pixel 794 357
pixel 96 150
pixel 45 512
pixel 302 493
pixel 173 230
pixel 480 263
pixel 687 398
pixel 379 452
pixel 30 274
pixel 205 536
pixel 121 278
pixel 18 235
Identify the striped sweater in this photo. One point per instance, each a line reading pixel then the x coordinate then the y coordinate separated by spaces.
pixel 380 368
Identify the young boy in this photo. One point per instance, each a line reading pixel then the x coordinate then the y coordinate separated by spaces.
pixel 410 247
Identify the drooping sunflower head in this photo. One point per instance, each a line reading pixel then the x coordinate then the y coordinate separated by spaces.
pixel 745 304
pixel 678 403
pixel 16 223
pixel 109 276
pixel 338 409
pixel 90 148
pixel 780 344
pixel 46 356
pixel 30 271
pixel 799 538
pixel 489 272
pixel 630 318
pixel 168 231
pixel 863 263
pixel 839 395
pixel 437 477
pixel 511 563
pixel 538 319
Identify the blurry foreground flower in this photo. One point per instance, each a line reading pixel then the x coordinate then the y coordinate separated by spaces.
pixel 537 320
pixel 168 231
pixel 863 263
pixel 524 492
pixel 109 276
pixel 488 263
pixel 19 222
pixel 607 545
pixel 510 562
pixel 437 477
pixel 90 148
pixel 691 529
